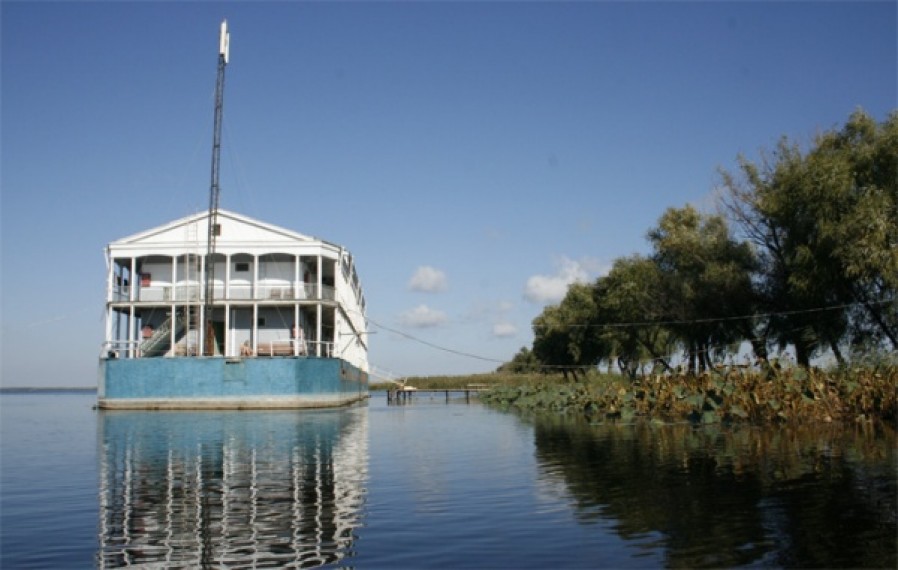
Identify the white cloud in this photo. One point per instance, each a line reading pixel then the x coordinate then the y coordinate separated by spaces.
pixel 504 330
pixel 546 289
pixel 428 279
pixel 422 316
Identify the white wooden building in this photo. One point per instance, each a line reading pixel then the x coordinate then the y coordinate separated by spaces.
pixel 276 293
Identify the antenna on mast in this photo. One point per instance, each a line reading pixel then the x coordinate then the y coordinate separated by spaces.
pixel 224 42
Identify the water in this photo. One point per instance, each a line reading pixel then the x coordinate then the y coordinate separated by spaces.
pixel 432 485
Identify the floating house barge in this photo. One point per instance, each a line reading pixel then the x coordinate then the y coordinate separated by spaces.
pixel 286 329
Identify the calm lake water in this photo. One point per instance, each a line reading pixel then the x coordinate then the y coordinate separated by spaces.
pixel 431 484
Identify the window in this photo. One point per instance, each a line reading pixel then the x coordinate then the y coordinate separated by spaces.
pixel 261 322
pixel 241 267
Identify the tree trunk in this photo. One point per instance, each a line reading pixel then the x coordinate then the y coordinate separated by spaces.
pixel 703 364
pixel 837 353
pixel 759 347
pixel 803 353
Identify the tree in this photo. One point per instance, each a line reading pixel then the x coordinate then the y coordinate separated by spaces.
pixel 824 224
pixel 562 337
pixel 705 277
pixel 629 303
pixel 857 168
pixel 522 362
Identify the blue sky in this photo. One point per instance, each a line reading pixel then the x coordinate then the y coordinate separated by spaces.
pixel 475 157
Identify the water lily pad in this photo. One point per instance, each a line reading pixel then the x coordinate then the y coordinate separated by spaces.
pixel 738 412
pixel 696 400
pixel 710 417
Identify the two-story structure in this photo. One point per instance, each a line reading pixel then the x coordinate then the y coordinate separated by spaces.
pixel 276 294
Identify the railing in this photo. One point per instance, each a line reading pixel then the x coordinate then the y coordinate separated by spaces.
pixel 278 292
pixel 167 293
pixel 290 348
pixel 131 349
pixel 121 293
pixel 155 294
pixel 157 338
pixel 119 349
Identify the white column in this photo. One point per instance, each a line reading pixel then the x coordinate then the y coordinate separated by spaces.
pixel 320 280
pixel 174 280
pixel 232 348
pixel 110 277
pixel 227 279
pixel 201 295
pixel 226 341
pixel 133 287
pixel 296 327
pixel 296 278
pixel 255 287
pixel 110 294
pixel 318 326
pixel 110 313
pixel 174 324
pixel 131 334
pixel 255 327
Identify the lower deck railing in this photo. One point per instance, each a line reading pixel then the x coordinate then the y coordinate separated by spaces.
pixel 131 349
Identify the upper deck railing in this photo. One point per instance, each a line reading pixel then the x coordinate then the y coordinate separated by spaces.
pixel 195 292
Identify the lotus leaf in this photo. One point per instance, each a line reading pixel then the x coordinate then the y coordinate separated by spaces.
pixel 696 400
pixel 737 411
pixel 710 417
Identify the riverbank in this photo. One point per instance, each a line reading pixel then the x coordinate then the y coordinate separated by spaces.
pixel 795 396
pixel 792 395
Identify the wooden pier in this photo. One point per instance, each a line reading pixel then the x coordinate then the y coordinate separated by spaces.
pixel 403 394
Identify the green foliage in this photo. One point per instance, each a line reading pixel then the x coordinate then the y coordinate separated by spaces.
pixel 795 396
pixel 824 224
pixel 524 361
pixel 561 339
pixel 815 268
pixel 706 283
pixel 630 293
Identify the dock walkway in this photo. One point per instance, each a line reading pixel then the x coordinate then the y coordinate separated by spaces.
pixel 404 394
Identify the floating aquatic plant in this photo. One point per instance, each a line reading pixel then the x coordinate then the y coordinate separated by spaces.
pixel 793 396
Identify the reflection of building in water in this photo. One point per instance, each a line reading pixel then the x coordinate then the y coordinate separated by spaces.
pixel 231 489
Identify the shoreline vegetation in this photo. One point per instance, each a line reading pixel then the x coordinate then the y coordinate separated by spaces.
pixel 793 395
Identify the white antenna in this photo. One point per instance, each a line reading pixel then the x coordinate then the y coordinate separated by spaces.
pixel 224 41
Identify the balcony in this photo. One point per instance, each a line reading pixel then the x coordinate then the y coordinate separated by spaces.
pixel 196 293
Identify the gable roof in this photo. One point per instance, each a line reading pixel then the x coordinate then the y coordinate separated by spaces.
pixel 238 232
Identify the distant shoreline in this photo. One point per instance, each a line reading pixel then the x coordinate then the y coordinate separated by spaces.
pixel 32 390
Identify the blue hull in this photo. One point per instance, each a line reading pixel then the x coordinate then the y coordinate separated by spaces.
pixel 218 383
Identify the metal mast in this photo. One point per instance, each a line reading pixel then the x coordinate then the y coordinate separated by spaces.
pixel 214 230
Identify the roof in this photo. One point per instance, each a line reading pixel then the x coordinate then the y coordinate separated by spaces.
pixel 239 233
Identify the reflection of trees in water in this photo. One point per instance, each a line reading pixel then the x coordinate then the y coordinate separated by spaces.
pixel 808 496
pixel 230 489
